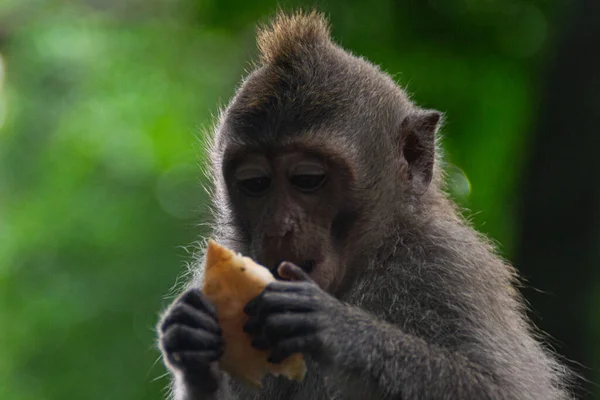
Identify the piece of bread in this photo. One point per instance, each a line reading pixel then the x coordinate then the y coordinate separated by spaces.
pixel 230 282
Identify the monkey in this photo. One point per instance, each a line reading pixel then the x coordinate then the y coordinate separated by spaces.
pixel 327 173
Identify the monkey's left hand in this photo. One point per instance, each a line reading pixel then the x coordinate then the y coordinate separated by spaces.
pixel 293 317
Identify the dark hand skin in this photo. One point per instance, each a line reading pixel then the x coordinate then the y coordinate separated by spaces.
pixel 294 316
pixel 288 317
pixel 297 316
pixel 190 339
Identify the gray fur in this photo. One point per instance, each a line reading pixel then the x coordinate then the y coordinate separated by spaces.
pixel 436 314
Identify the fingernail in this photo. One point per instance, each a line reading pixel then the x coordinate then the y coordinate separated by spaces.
pixel 284 265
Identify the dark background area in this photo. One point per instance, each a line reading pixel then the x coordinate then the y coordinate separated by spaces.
pixel 102 103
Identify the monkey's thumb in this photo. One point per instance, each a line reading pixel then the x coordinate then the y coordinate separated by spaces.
pixel 292 272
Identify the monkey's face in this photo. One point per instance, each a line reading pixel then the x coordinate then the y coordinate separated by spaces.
pixel 290 206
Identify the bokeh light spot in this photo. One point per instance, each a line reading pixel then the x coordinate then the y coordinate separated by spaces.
pixel 523 31
pixel 129 156
pixel 180 192
pixel 458 183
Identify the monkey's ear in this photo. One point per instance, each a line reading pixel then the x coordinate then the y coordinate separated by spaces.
pixel 418 145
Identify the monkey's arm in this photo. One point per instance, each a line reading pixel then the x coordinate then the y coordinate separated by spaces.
pixel 364 353
pixel 359 348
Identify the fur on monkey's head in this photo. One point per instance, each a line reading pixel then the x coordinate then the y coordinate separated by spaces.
pixel 289 34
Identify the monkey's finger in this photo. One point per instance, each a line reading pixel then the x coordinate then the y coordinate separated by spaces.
pixel 280 296
pixel 252 306
pixel 194 359
pixel 278 327
pixel 277 303
pixel 288 286
pixel 260 343
pixel 292 272
pixel 187 315
pixel 253 326
pixel 291 346
pixel 183 338
pixel 196 299
pixel 280 302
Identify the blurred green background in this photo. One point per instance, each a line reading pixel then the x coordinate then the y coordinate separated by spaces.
pixel 102 103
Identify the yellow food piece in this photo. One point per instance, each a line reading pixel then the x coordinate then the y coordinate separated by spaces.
pixel 230 282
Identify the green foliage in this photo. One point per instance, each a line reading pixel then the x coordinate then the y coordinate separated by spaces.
pixel 101 107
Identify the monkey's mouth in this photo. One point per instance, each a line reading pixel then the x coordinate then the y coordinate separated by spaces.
pixel 307 265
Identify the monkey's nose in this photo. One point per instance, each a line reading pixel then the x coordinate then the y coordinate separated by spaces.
pixel 279 234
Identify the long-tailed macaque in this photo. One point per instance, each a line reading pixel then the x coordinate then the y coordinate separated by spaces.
pixel 328 174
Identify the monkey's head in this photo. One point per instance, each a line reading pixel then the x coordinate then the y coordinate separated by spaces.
pixel 319 154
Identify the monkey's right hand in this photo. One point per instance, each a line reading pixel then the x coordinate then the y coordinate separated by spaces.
pixel 190 340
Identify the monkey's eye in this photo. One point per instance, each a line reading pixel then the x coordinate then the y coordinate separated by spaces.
pixel 308 183
pixel 255 186
pixel 308 177
pixel 253 180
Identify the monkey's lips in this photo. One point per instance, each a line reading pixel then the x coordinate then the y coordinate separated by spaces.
pixel 307 265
